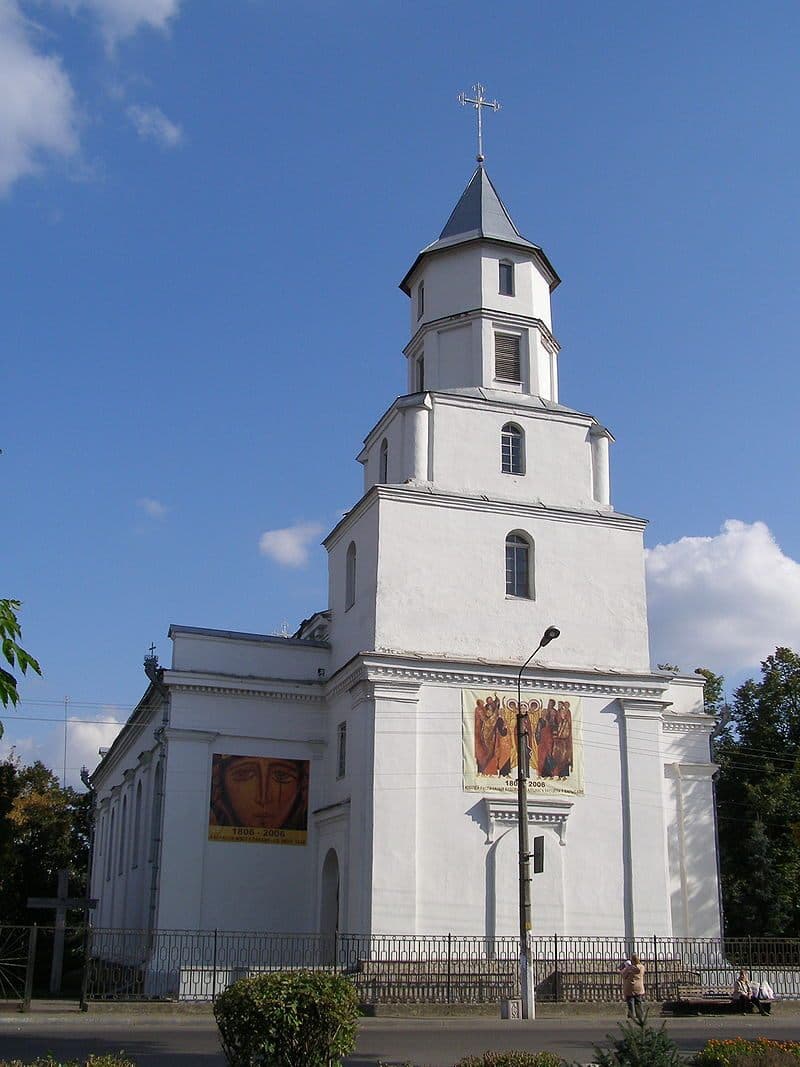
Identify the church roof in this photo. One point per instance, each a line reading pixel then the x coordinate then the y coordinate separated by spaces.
pixel 480 215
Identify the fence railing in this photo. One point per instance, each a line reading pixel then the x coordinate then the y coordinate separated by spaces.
pixel 446 969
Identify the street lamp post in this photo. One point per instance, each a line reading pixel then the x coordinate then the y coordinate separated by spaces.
pixel 523 759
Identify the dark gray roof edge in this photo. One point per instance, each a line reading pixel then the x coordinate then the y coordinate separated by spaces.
pixel 237 635
pixel 444 246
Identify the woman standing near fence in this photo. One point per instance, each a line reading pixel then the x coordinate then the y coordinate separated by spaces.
pixel 633 987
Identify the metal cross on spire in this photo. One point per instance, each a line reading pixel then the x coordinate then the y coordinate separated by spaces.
pixel 478 103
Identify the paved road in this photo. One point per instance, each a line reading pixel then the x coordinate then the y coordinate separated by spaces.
pixel 156 1041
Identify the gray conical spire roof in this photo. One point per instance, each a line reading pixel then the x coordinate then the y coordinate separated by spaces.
pixel 481 215
pixel 481 212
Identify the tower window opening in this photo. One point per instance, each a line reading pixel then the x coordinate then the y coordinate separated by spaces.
pixel 383 466
pixel 420 373
pixel 518 566
pixel 512 458
pixel 420 300
pixel 506 357
pixel 506 278
pixel 350 577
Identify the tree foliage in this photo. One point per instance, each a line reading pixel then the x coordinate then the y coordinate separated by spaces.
pixel 43 829
pixel 758 802
pixel 16 656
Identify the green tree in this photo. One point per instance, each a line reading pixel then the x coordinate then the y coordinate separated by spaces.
pixel 13 653
pixel 43 829
pixel 758 802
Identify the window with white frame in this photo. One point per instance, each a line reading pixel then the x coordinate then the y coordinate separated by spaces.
pixel 350 577
pixel 137 827
pixel 341 750
pixel 519 566
pixel 506 357
pixel 506 280
pixel 420 374
pixel 383 465
pixel 512 450
pixel 420 300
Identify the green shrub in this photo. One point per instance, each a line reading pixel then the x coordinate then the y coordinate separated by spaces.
pixel 640 1046
pixel 739 1052
pixel 512 1058
pixel 287 1019
pixel 106 1060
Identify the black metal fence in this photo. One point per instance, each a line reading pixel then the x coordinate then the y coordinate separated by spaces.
pixel 184 965
pixel 447 969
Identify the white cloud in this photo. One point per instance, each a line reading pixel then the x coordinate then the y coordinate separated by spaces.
pixel 722 602
pixel 154 508
pixel 38 113
pixel 84 738
pixel 289 546
pixel 123 18
pixel 153 125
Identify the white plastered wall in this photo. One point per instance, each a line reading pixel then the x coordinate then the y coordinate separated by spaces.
pixel 441 584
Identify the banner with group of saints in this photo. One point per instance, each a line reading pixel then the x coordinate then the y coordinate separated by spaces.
pixel 258 799
pixel 489 735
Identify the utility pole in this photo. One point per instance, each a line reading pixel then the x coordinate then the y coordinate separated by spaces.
pixel 523 773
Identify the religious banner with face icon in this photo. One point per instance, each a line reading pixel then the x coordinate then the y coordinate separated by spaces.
pixel 259 799
pixel 552 723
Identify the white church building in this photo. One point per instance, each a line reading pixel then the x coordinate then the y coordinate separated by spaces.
pixel 360 776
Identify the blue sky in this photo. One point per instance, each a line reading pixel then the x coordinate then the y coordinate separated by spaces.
pixel 206 209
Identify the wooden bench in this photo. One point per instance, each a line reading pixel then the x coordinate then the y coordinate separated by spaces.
pixel 693 997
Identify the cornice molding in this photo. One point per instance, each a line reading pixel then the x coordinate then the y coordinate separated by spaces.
pixel 691 771
pixel 249 689
pixel 504 318
pixel 431 497
pixel 682 726
pixel 502 812
pixel 372 669
pixel 652 710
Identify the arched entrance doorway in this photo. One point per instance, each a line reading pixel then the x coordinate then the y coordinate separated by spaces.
pixel 329 905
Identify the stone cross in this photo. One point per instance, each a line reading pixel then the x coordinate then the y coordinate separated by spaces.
pixel 61 903
pixel 479 102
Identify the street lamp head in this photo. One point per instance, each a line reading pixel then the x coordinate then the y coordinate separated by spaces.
pixel 550 634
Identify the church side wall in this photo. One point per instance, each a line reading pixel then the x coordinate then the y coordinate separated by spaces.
pixel 466 456
pixel 352 629
pixel 452 601
pixel 444 863
pixel 234 885
pixel 342 820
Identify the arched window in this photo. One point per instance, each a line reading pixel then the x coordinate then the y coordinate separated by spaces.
pixel 512 450
pixel 136 843
pixel 420 300
pixel 110 853
pixel 383 471
pixel 519 566
pixel 123 827
pixel 350 578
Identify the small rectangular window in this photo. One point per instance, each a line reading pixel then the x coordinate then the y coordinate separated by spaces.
pixel 506 357
pixel 420 375
pixel 420 300
pixel 341 750
pixel 507 279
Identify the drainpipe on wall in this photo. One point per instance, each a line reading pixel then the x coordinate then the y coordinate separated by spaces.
pixel 156 676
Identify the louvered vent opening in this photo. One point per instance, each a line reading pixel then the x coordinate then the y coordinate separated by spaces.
pixel 506 357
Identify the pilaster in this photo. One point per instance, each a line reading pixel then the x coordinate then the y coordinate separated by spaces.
pixel 647 905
